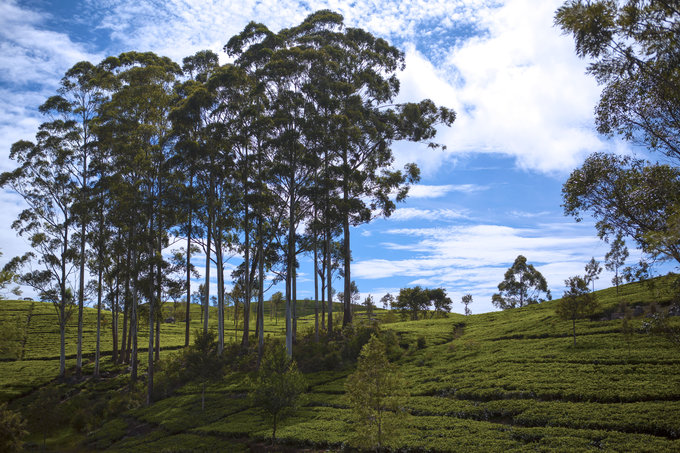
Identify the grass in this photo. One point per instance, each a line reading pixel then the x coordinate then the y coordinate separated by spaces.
pixel 502 381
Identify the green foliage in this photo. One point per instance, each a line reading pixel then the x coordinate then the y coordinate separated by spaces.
pixel 522 285
pixel 375 393
pixel 12 430
pixel 277 389
pixel 467 300
pixel 616 258
pixel 633 50
pixel 415 300
pixel 202 360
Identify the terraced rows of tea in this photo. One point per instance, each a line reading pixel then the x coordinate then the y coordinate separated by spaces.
pixel 503 381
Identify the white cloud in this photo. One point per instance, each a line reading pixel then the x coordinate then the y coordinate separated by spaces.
pixel 428 214
pixel 473 259
pixel 427 191
pixel 518 89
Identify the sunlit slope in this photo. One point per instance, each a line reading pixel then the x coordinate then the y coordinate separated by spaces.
pixel 505 381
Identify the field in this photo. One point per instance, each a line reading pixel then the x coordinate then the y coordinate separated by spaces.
pixel 503 381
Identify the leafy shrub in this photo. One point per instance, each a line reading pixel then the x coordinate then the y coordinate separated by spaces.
pixel 12 429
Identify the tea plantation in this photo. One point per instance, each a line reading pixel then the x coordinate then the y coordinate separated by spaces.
pixel 502 381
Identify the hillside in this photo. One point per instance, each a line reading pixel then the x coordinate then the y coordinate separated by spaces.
pixel 503 381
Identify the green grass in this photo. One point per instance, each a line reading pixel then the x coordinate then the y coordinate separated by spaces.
pixel 503 381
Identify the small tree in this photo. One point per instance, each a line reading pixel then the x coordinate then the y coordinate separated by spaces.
pixel 593 271
pixel 203 361
pixel 368 303
pixel 522 285
pixel 275 301
pixel 277 390
pixel 577 302
pixel 374 392
pixel 616 258
pixel 467 300
pixel 387 300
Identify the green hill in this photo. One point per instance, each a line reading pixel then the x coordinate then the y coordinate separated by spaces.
pixel 502 381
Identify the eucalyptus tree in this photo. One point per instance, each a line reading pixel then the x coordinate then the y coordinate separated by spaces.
pixel 278 61
pixel 190 117
pixel 137 130
pixel 44 181
pixel 75 107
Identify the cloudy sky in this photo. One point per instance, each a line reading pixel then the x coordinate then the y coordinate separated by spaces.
pixel 524 104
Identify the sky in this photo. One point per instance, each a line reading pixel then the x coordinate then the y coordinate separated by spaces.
pixel 525 121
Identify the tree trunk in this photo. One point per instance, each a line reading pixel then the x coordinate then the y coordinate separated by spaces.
pixel 81 283
pixel 220 295
pixel 99 314
pixel 133 319
pixel 187 318
pixel 289 274
pixel 329 281
pixel 260 296
pixel 114 320
pixel 206 296
pixel 347 316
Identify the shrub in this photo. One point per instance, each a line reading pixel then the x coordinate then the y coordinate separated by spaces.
pixel 12 429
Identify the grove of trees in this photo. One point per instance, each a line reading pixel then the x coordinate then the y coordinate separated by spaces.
pixel 272 156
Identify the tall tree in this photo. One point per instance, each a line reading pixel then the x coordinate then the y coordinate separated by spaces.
pixel 634 52
pixel 522 285
pixel 44 181
pixel 75 106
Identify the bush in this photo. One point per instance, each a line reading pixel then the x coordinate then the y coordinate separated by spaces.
pixel 12 429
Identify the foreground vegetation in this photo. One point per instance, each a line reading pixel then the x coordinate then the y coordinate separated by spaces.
pixel 508 380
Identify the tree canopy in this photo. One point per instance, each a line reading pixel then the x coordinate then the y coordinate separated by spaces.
pixel 522 285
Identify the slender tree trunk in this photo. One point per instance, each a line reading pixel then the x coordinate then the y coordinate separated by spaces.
pixel 316 282
pixel 187 318
pixel 99 313
pixel 81 283
pixel 289 272
pixel 159 296
pixel 133 319
pixel 294 298
pixel 127 306
pixel 220 294
pixel 329 273
pixel 114 320
pixel 62 309
pixel 347 317
pixel 260 296
pixel 246 302
pixel 206 298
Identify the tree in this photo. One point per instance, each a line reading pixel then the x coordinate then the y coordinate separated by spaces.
pixel 577 302
pixel 440 302
pixel 593 270
pixel 615 259
pixel 387 300
pixel 634 49
pixel 628 197
pixel 202 360
pixel 522 285
pixel 278 387
pixel 467 300
pixel 275 301
pixel 411 300
pixel 44 182
pixel 368 303
pixel 375 393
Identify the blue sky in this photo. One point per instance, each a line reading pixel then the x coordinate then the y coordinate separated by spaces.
pixel 525 120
